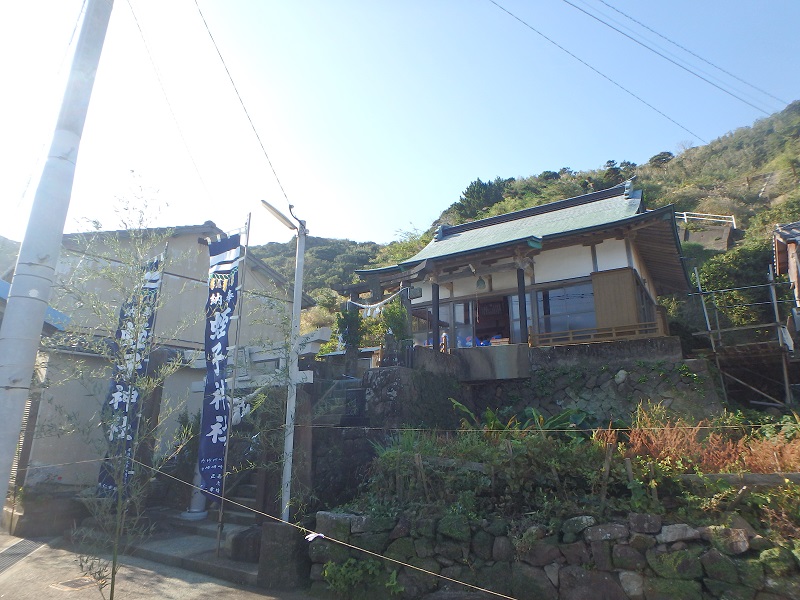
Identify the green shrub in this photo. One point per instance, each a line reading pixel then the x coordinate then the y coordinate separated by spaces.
pixel 356 579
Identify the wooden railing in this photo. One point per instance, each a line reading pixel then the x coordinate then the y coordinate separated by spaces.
pixel 595 334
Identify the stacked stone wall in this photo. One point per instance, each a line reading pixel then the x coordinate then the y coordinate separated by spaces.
pixel 398 397
pixel 638 558
pixel 606 391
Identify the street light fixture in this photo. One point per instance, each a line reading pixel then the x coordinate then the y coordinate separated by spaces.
pixel 294 352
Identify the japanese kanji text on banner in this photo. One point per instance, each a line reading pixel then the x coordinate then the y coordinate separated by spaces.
pixel 131 350
pixel 223 282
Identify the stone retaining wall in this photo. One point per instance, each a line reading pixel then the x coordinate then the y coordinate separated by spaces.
pixel 639 558
pixel 606 391
pixel 398 397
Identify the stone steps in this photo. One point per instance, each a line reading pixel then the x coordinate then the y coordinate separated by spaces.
pixel 240 498
pixel 239 517
pixel 190 545
pixel 207 527
pixel 239 502
pixel 196 553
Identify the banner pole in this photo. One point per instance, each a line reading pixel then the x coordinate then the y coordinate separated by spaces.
pixel 163 262
pixel 221 514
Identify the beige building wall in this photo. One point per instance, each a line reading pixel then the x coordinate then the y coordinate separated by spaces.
pixel 70 455
pixel 69 441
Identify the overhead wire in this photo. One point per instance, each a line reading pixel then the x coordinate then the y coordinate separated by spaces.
pixel 311 535
pixel 166 98
pixel 241 102
pixel 687 50
pixel 597 71
pixel 665 57
pixel 674 53
pixel 43 146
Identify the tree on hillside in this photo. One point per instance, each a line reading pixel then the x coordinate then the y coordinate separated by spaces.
pixel 661 159
pixel 329 263
pixel 478 197
pixel 407 245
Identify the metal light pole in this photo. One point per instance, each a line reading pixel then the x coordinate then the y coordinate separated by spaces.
pixel 294 352
pixel 38 255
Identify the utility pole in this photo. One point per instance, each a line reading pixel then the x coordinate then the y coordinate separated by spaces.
pixel 33 277
pixel 294 354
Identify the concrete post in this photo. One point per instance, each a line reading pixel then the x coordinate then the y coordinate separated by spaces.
pixel 294 352
pixel 38 256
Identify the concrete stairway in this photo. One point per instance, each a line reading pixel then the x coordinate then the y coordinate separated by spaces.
pixel 192 545
pixel 240 501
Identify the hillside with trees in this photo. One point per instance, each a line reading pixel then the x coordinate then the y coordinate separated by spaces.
pixel 8 253
pixel 752 173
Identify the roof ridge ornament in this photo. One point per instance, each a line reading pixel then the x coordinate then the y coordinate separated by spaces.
pixel 629 185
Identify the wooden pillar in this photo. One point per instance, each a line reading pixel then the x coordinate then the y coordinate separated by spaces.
pixel 523 307
pixel 435 315
pixel 405 300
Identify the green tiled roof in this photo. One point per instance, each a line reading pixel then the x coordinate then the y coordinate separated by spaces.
pixel 532 224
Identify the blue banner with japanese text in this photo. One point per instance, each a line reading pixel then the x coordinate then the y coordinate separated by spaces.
pixel 223 293
pixel 123 406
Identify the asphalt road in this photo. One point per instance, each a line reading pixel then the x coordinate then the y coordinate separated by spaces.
pixel 41 569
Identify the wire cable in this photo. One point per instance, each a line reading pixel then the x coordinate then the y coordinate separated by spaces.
pixel 241 101
pixel 603 75
pixel 169 105
pixel 685 49
pixel 665 57
pixel 311 535
pixel 43 146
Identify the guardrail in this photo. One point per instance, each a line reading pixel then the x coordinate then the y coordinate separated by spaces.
pixel 692 216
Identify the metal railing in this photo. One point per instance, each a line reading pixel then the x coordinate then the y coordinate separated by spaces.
pixel 692 216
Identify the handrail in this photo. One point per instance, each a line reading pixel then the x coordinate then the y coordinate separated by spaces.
pixel 594 334
pixel 686 216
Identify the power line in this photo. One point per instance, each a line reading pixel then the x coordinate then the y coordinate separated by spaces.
pixel 43 145
pixel 665 57
pixel 166 98
pixel 685 49
pixel 244 108
pixel 312 535
pixel 671 52
pixel 603 75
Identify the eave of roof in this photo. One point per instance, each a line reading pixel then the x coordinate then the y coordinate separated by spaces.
pixel 532 225
pixel 788 232
pixel 206 229
pixel 661 252
pixel 55 319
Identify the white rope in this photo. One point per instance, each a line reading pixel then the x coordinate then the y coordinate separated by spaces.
pixel 376 308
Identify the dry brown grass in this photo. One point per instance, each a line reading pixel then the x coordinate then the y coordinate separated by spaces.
pixel 605 436
pixel 719 455
pixel 665 438
pixel 772 455
pixel 655 435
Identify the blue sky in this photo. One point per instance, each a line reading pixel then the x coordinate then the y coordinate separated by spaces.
pixel 376 115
